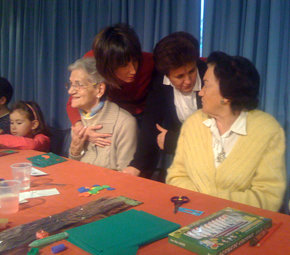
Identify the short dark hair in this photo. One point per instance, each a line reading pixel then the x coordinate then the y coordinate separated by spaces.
pixel 174 51
pixel 6 90
pixel 239 80
pixel 113 47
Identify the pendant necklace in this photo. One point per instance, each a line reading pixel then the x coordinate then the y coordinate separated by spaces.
pixel 221 155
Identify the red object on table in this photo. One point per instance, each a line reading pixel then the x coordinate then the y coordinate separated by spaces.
pixel 41 234
pixel 154 195
pixel 269 234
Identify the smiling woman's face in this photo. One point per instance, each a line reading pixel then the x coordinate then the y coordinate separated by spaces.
pixel 83 92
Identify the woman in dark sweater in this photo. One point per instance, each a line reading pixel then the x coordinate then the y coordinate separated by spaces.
pixel 173 97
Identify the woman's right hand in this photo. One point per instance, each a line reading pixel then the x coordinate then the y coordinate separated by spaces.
pixel 131 170
pixel 78 140
pixel 99 139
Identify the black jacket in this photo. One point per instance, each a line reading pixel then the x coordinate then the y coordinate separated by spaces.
pixel 159 109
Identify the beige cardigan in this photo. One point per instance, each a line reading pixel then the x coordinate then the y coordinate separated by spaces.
pixel 123 127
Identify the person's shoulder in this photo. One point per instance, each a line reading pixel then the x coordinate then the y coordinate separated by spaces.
pixel 5 124
pixel 157 79
pixel 263 121
pixel 122 113
pixel 125 113
pixel 89 54
pixel 194 122
pixel 41 136
pixel 111 106
pixel 197 116
pixel 262 116
pixel 147 56
pixel 147 62
pixel 127 119
pixel 4 117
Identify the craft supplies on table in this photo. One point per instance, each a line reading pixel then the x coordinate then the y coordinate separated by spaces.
pixel 100 208
pixel 58 248
pixel 220 232
pixel 190 211
pixel 6 152
pixel 46 159
pixel 47 240
pixel 121 233
pixel 178 201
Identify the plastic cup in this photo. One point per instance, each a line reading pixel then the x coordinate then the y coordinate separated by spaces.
pixel 21 172
pixel 9 196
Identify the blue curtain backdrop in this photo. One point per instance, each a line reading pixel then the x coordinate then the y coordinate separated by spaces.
pixel 258 30
pixel 40 38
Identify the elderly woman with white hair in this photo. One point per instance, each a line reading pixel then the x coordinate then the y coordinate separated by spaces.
pixel 88 91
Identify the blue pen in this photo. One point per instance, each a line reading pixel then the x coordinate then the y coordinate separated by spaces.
pixel 190 211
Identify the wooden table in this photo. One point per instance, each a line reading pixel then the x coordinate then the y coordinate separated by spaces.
pixel 156 197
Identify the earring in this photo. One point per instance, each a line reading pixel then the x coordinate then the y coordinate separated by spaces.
pixel 223 101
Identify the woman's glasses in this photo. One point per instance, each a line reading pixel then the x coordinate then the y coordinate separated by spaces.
pixel 77 86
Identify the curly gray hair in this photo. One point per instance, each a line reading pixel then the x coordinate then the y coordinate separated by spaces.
pixel 87 64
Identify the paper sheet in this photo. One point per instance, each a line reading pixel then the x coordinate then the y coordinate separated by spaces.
pixel 36 172
pixel 37 193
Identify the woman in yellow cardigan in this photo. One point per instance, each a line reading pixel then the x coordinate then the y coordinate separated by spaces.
pixel 228 149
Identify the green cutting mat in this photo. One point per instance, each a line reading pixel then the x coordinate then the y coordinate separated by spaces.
pixel 120 234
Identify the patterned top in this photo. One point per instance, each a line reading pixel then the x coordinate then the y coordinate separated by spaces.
pixel 5 124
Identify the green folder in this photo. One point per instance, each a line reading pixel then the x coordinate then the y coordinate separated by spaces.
pixel 120 234
pixel 46 159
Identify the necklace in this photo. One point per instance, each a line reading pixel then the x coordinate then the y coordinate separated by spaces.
pixel 221 156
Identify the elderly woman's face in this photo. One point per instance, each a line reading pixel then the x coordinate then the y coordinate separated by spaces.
pixel 83 93
pixel 184 78
pixel 210 93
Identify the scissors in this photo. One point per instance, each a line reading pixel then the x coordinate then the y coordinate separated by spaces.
pixel 178 201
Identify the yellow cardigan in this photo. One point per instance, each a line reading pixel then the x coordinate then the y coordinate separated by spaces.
pixel 254 172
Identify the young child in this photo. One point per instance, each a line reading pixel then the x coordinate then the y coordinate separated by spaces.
pixel 6 92
pixel 27 127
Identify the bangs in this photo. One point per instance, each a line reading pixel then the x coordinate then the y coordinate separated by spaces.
pixel 122 55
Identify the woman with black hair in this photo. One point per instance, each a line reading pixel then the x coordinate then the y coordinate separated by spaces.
pixel 229 149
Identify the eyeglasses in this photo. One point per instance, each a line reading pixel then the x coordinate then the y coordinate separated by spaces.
pixel 77 86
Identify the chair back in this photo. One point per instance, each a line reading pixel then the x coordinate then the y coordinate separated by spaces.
pixel 60 141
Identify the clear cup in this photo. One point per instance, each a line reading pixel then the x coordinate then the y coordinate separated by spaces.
pixel 21 172
pixel 9 196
